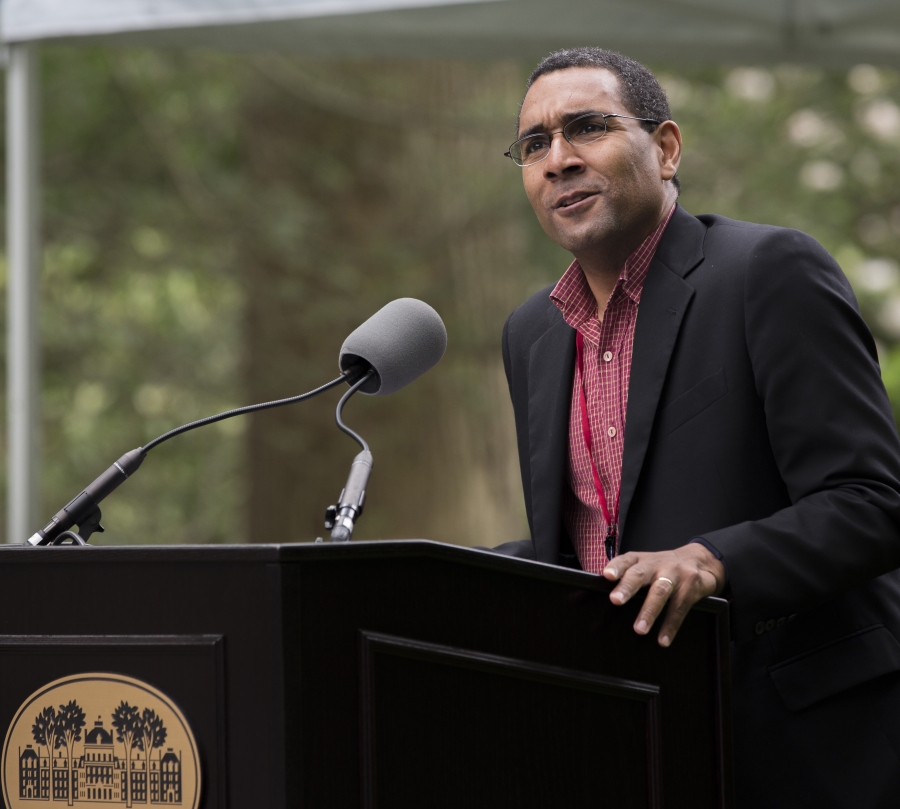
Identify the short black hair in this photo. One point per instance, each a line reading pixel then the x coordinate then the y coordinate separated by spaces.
pixel 639 90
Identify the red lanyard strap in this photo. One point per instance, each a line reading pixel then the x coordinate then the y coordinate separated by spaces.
pixel 612 530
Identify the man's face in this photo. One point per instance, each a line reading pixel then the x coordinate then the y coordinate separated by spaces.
pixel 589 198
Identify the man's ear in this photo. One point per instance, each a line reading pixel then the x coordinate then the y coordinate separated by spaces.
pixel 668 139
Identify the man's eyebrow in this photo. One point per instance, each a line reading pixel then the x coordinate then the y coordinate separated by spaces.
pixel 537 129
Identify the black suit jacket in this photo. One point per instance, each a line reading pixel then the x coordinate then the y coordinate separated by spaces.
pixel 757 420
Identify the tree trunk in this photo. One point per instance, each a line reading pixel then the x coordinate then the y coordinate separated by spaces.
pixel 71 789
pixel 382 218
pixel 129 788
pixel 147 749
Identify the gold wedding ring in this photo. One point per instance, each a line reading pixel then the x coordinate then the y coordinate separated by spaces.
pixel 671 583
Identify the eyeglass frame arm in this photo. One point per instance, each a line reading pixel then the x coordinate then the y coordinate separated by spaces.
pixel 604 115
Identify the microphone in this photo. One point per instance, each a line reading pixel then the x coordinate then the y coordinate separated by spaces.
pixel 400 342
pixel 341 518
pixel 394 347
pixel 84 510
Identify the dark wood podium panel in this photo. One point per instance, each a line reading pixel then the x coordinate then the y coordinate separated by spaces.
pixel 189 666
pixel 497 710
pixel 386 674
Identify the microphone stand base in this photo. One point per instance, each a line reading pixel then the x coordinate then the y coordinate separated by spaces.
pixel 68 538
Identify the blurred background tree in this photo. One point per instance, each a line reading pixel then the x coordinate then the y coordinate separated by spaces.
pixel 216 224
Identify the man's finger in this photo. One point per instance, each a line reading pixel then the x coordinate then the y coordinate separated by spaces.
pixel 679 606
pixel 617 568
pixel 693 589
pixel 637 575
pixel 656 599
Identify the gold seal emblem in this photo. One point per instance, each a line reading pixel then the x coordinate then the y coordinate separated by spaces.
pixel 99 740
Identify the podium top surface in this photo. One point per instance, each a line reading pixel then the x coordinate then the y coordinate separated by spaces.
pixel 306 553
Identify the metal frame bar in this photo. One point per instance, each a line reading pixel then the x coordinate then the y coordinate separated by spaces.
pixel 23 273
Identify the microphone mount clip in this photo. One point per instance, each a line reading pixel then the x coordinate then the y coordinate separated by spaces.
pixel 89 524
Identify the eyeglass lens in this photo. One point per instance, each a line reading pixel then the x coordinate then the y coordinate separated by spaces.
pixel 579 131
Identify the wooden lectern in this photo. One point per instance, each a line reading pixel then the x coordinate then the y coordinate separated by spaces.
pixel 397 675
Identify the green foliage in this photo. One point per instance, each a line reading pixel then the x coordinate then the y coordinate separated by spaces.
pixel 46 729
pixel 215 225
pixel 813 150
pixel 376 177
pixel 141 306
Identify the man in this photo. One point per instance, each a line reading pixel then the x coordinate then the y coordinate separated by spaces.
pixel 699 411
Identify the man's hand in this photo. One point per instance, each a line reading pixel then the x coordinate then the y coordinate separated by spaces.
pixel 680 577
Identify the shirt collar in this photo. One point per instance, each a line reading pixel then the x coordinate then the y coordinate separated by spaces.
pixel 573 297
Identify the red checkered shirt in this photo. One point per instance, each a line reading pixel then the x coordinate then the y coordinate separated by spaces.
pixel 608 346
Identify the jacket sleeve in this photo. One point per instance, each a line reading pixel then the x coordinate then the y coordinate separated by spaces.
pixel 507 361
pixel 519 548
pixel 832 434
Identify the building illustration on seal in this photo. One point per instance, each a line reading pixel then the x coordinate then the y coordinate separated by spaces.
pixel 101 771
pixel 98 740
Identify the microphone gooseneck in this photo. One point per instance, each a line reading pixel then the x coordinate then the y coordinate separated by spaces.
pixel 239 411
pixel 339 411
pixel 84 510
pixel 340 519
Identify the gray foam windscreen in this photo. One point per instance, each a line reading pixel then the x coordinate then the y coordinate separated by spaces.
pixel 401 341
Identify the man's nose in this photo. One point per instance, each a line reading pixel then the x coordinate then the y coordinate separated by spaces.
pixel 563 157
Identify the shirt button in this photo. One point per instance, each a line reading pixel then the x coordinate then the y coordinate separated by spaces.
pixel 611 432
pixel 607 356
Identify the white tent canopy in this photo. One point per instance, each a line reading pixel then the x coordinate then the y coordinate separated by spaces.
pixel 821 31
pixel 826 32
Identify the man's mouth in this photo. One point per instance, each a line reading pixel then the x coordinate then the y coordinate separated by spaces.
pixel 570 200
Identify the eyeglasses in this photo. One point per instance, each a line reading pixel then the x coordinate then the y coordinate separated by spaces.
pixel 579 131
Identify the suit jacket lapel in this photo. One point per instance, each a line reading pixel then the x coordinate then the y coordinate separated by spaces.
pixel 664 301
pixel 550 369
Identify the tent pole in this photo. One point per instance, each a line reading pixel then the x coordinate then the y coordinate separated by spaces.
pixel 23 273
